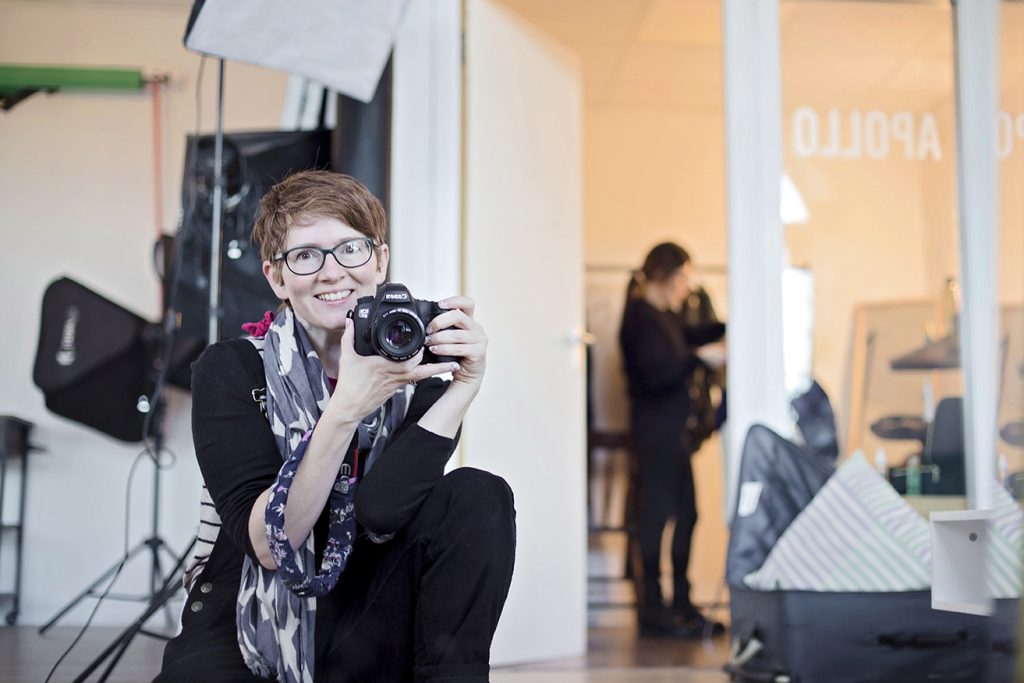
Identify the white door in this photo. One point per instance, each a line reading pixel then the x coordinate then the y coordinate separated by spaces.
pixel 522 260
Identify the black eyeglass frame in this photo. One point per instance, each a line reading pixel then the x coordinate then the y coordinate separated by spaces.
pixel 283 256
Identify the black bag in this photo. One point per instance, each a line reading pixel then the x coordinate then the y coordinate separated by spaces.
pixel 809 637
pixel 787 477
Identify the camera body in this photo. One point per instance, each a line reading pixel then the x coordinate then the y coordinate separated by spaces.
pixel 393 324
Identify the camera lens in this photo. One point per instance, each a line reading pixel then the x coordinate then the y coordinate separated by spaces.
pixel 398 334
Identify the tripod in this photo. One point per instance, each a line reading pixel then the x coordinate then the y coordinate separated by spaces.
pixel 163 583
pixel 155 544
pixel 159 599
pixel 162 586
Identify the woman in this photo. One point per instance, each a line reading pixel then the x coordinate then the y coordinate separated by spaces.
pixel 659 352
pixel 332 547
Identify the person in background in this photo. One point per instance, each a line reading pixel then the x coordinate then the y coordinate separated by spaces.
pixel 660 351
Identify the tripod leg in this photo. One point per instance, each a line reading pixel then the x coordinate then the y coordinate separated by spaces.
pixel 157 544
pixel 120 644
pixel 158 576
pixel 90 590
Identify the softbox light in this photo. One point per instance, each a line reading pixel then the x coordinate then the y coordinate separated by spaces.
pixel 253 162
pixel 343 44
pixel 94 360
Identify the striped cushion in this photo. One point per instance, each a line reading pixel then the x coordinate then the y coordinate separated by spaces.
pixel 1005 535
pixel 859 535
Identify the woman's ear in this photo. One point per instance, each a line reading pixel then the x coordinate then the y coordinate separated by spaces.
pixel 383 255
pixel 272 272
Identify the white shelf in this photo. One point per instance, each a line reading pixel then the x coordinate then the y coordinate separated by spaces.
pixel 960 561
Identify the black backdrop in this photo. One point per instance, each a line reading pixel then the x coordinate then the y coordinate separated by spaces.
pixel 253 162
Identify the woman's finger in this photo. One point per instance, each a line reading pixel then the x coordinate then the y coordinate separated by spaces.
pixel 463 303
pixel 403 367
pixel 457 350
pixel 428 370
pixel 453 336
pixel 453 318
pixel 348 335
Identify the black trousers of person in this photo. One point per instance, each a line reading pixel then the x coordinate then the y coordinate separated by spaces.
pixel 421 607
pixel 666 491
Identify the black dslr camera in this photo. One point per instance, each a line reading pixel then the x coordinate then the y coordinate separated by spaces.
pixel 392 324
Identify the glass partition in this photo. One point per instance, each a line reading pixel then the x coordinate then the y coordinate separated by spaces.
pixel 1010 148
pixel 869 154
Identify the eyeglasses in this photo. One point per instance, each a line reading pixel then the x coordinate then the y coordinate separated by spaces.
pixel 309 260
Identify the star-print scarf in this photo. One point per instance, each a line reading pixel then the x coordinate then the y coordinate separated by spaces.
pixel 276 610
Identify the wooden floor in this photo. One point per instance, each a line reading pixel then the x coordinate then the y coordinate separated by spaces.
pixel 614 654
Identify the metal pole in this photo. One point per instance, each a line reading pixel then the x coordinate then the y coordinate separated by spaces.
pixel 213 331
pixel 156 574
pixel 753 146
pixel 976 26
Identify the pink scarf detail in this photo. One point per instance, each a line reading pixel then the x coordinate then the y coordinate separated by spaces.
pixel 259 329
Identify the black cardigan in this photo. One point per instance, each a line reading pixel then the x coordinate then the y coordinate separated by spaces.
pixel 658 355
pixel 239 460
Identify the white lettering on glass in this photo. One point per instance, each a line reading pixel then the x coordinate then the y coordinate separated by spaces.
pixel 876 134
pixel 876 126
pixel 928 142
pixel 805 131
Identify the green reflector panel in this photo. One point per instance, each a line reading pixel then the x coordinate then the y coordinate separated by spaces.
pixel 18 77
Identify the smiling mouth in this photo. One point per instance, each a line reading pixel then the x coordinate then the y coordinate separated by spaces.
pixel 331 297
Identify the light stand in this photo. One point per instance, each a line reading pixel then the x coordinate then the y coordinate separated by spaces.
pixel 216 228
pixel 162 587
pixel 154 544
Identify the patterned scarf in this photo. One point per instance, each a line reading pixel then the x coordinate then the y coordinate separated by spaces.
pixel 276 610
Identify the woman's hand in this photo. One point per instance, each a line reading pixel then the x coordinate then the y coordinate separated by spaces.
pixel 456 333
pixel 713 354
pixel 366 382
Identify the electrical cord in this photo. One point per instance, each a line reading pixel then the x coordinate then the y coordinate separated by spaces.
pixel 120 565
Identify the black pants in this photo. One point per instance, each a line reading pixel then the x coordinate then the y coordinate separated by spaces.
pixel 422 607
pixel 666 491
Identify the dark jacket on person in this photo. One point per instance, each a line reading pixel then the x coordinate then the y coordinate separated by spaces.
pixel 658 350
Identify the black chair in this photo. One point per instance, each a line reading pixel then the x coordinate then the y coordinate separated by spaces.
pixel 944 449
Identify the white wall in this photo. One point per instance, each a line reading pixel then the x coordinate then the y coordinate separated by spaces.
pixel 76 186
pixel 426 159
pixel 523 257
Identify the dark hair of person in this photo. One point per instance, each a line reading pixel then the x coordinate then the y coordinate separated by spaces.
pixel 661 262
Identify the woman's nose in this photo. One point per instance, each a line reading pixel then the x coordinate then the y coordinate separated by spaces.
pixel 332 270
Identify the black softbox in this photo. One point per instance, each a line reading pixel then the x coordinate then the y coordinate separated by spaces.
pixel 93 362
pixel 252 163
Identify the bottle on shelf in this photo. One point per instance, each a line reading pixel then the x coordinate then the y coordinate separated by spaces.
pixel 914 476
pixel 881 462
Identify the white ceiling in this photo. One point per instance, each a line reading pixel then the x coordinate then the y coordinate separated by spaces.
pixel 668 53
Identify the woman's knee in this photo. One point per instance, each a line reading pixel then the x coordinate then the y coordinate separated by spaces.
pixel 476 496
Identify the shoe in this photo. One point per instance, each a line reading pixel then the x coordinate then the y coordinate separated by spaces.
pixel 679 631
pixel 694 620
pixel 708 627
pixel 663 624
